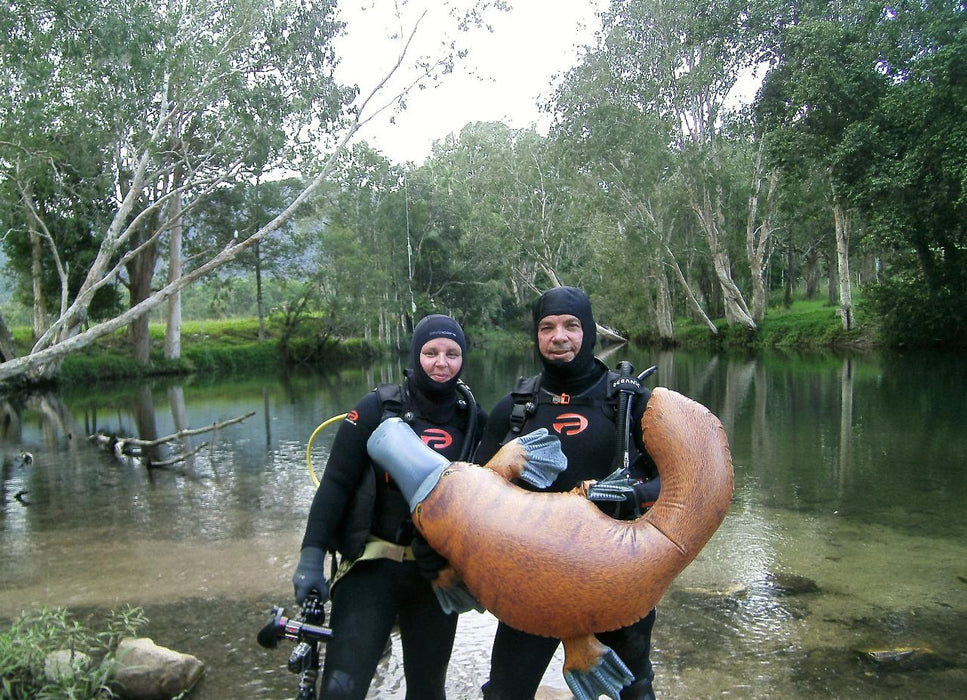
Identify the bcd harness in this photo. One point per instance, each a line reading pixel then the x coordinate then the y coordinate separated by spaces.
pixel 621 385
pixel 527 395
pixel 370 532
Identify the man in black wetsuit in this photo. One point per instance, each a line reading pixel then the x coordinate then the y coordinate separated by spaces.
pixel 359 511
pixel 574 388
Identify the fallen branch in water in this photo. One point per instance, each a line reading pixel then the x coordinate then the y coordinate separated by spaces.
pixel 135 447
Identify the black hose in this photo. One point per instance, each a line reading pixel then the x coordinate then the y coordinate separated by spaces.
pixel 623 447
pixel 471 431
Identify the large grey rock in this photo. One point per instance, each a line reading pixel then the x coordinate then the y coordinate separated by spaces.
pixel 146 671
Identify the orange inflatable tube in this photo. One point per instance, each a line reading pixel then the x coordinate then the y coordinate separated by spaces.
pixel 553 564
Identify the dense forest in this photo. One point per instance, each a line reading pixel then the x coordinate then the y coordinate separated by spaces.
pixel 141 145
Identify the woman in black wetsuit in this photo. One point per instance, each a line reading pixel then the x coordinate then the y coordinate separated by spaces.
pixel 359 512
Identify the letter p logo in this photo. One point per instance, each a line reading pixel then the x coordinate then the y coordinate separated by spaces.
pixel 569 424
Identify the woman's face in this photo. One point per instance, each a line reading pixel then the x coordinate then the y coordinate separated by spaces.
pixel 441 359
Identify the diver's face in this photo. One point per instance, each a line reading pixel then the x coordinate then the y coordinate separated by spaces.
pixel 441 359
pixel 559 337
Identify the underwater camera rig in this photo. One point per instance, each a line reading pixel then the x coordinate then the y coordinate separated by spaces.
pixel 309 634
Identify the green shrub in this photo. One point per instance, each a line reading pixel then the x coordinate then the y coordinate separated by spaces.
pixel 24 649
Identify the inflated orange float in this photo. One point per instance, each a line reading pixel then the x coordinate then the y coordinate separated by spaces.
pixel 553 564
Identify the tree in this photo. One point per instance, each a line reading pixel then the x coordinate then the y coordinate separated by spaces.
pixel 177 101
pixel 653 90
pixel 825 82
pixel 510 212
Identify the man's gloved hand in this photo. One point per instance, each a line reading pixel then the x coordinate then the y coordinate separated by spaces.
pixel 427 558
pixel 310 575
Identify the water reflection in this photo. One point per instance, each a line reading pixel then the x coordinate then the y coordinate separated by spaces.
pixel 846 533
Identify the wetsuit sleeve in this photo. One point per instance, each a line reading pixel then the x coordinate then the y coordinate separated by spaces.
pixel 495 430
pixel 343 471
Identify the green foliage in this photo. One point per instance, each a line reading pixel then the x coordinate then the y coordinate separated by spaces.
pixel 24 648
pixel 871 98
pixel 225 346
pixel 803 325
pixel 232 357
pixel 644 182
pixel 912 314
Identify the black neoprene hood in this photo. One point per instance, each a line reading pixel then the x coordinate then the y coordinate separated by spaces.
pixel 572 301
pixel 430 328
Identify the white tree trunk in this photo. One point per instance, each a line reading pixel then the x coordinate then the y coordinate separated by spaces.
pixel 843 222
pixel 690 295
pixel 39 322
pixel 759 227
pixel 173 327
pixel 664 317
pixel 711 217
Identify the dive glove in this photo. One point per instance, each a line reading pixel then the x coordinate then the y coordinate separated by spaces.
pixel 427 558
pixel 621 497
pixel 310 575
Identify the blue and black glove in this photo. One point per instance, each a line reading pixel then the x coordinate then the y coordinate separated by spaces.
pixel 310 575
pixel 428 559
pixel 623 498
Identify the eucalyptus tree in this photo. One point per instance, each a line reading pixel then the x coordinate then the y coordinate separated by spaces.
pixel 825 82
pixel 667 68
pixel 624 156
pixel 871 95
pixel 904 166
pixel 509 193
pixel 361 272
pixel 174 100
pixel 237 211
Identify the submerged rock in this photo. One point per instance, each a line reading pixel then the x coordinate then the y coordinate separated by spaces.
pixel 786 584
pixel 902 658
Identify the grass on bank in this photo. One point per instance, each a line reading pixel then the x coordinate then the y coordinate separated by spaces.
pixel 229 346
pixel 805 325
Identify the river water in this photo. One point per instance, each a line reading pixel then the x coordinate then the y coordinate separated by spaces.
pixel 840 571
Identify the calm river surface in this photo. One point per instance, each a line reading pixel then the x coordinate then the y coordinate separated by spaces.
pixel 840 571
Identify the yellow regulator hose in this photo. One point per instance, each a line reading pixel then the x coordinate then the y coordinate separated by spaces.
pixel 312 439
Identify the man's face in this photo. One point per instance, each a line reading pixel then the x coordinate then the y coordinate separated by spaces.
pixel 559 337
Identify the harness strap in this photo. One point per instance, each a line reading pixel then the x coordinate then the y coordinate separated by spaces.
pixel 527 395
pixel 375 548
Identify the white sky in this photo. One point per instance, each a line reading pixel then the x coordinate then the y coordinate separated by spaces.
pixel 531 43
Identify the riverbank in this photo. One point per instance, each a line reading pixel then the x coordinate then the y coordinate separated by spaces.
pixel 229 346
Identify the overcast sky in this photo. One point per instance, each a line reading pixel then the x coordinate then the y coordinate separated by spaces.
pixel 529 45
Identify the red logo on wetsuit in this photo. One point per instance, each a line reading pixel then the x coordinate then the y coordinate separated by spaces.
pixel 570 424
pixel 437 438
pixel 352 417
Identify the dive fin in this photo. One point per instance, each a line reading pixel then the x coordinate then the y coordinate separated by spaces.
pixel 592 669
pixel 607 677
pixel 544 458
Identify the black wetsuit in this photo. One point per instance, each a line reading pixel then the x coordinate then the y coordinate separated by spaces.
pixel 588 437
pixel 375 593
